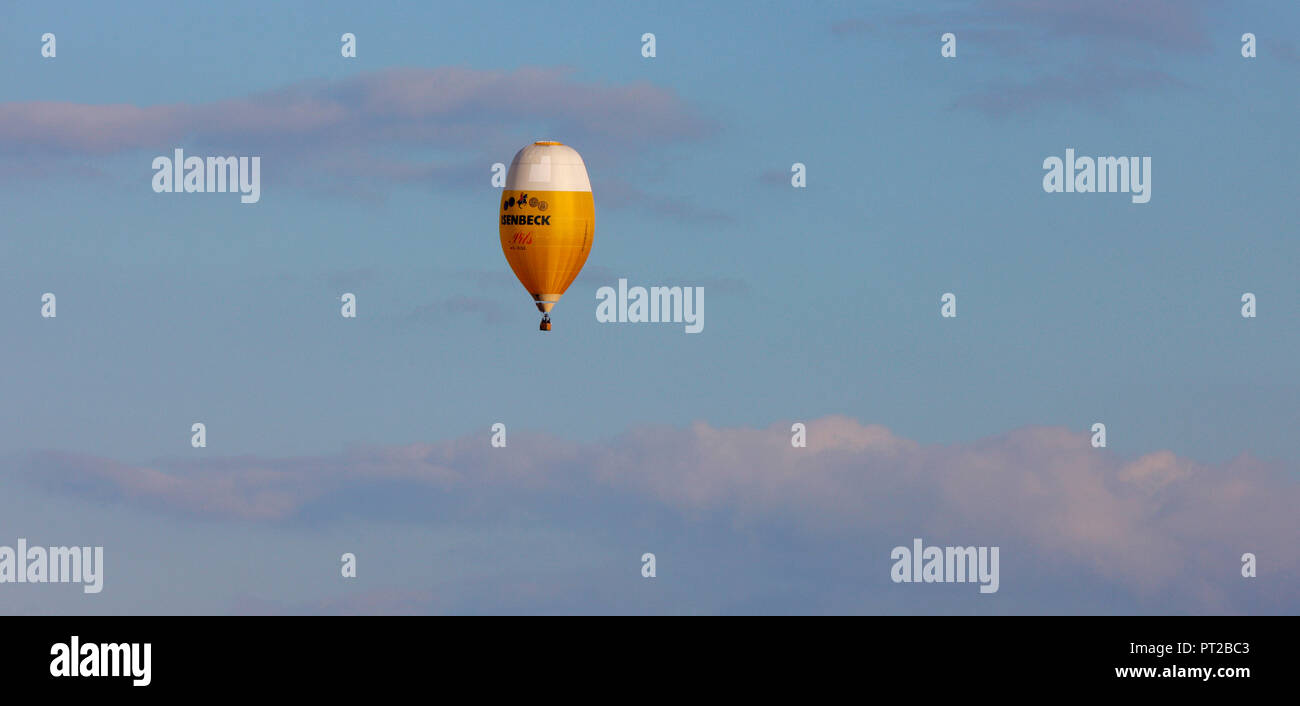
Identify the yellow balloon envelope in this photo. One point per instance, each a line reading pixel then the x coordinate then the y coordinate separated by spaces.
pixel 548 220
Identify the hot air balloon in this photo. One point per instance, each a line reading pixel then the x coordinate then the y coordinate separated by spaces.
pixel 547 221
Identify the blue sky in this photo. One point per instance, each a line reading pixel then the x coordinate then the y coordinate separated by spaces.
pixel 924 177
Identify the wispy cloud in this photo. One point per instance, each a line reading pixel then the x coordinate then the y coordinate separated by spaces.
pixel 1098 88
pixel 1169 24
pixel 1180 25
pixel 489 311
pixel 448 124
pixel 1156 523
pixel 1089 53
pixel 620 193
pixel 775 177
pixel 441 104
pixel 383 601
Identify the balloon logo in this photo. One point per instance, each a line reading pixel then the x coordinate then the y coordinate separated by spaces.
pixel 548 220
